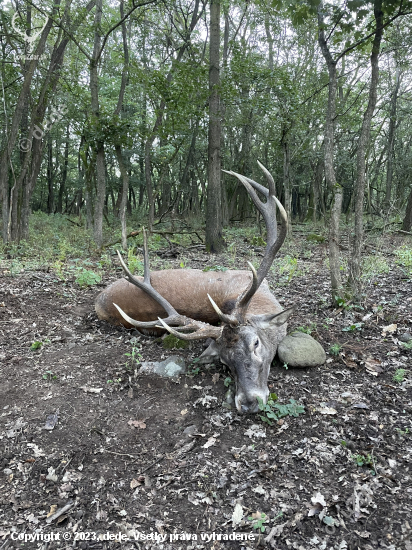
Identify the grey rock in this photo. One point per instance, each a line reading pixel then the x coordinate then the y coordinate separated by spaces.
pixel 169 368
pixel 301 350
pixel 190 430
pixel 405 337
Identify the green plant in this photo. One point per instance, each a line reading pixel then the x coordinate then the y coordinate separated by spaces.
pixel 307 329
pixel 362 460
pixel 135 357
pixel 193 372
pixel 215 268
pixel 114 381
pixel 172 342
pixel 273 411
pixel 374 265
pixel 286 268
pixel 401 433
pixel 257 240
pixel 227 381
pixel 259 520
pixel 36 345
pixel 135 265
pixel 313 237
pixel 404 258
pixel 335 349
pixel 49 375
pixel 353 328
pixel 406 345
pixel 86 277
pixel 399 376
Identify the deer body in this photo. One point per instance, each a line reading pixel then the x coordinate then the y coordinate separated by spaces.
pixel 252 322
pixel 186 290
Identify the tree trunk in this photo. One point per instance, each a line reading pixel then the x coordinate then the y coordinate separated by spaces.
pixel 122 166
pixel 100 160
pixel 391 139
pixel 62 188
pixel 407 220
pixel 328 147
pixel 214 225
pixel 355 260
pixel 286 181
pixel 14 126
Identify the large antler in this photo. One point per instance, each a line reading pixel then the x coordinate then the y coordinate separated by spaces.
pixel 202 330
pixel 274 242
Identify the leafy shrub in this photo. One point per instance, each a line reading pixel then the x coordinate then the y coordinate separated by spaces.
pixel 374 265
pixel 275 411
pixel 404 258
pixel 86 277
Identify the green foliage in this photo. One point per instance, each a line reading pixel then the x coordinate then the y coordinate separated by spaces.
pixel 172 342
pixel 49 375
pixel 135 265
pixel 85 277
pixel 314 238
pixel 272 411
pixel 285 269
pixel 335 349
pixel 36 345
pixel 227 381
pixel 374 265
pixel 135 357
pixel 399 376
pixel 308 329
pixel 258 522
pixel 257 240
pixel 406 345
pixel 362 460
pixel 353 328
pixel 404 259
pixel 215 268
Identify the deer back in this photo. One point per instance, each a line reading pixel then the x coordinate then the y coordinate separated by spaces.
pixel 186 290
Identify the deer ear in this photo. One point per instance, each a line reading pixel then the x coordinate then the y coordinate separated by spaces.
pixel 269 320
pixel 210 353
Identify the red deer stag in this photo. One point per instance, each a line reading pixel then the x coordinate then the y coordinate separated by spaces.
pixel 252 320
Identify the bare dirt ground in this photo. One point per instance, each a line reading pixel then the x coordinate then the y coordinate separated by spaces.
pixel 121 462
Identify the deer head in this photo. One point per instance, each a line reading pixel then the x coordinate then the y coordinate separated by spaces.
pixel 246 343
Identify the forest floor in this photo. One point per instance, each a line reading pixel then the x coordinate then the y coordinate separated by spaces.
pixel 120 461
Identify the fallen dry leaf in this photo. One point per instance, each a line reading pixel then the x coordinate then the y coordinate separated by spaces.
pixel 91 390
pixel 373 366
pixel 389 329
pixel 137 424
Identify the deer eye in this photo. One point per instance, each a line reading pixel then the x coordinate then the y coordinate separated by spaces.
pixel 257 343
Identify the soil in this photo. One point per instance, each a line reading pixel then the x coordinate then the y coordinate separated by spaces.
pixel 92 451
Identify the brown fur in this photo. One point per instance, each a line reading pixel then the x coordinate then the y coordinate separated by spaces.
pixel 186 290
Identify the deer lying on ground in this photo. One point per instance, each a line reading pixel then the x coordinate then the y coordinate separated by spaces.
pixel 252 322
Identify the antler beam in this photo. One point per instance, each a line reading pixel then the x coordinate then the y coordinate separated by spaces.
pixel 202 330
pixel 274 241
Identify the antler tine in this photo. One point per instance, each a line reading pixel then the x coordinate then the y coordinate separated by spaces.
pixel 261 188
pixel 203 330
pixel 274 241
pixel 269 177
pixel 146 284
pixel 133 322
pixel 228 319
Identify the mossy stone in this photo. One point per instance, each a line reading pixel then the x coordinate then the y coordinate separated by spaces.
pixel 172 342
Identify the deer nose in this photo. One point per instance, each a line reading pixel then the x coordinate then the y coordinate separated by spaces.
pixel 249 407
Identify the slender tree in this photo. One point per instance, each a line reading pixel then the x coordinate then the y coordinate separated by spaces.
pixel 214 226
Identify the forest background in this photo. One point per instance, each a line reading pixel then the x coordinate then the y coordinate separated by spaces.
pixel 116 115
